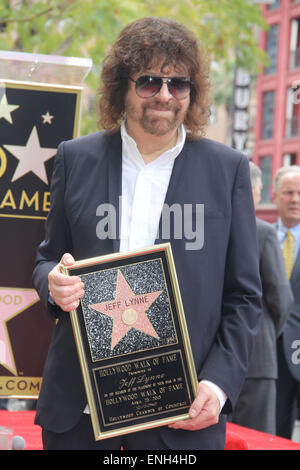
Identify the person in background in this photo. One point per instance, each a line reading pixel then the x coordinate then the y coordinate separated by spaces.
pixel 287 200
pixel 256 406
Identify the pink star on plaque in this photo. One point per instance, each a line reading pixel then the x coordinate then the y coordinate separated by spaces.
pixel 128 311
pixel 13 302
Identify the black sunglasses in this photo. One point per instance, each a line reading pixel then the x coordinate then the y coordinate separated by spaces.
pixel 148 86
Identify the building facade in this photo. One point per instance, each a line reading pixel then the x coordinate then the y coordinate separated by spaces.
pixel 277 120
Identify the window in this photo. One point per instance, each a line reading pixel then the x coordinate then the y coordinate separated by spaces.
pixel 292 112
pixel 265 164
pixel 295 44
pixel 274 5
pixel 272 48
pixel 289 159
pixel 268 115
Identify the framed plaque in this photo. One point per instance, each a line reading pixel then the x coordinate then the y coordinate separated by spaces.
pixel 132 341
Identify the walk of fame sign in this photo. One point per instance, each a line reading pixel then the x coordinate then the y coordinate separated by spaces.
pixel 132 341
pixel 34 119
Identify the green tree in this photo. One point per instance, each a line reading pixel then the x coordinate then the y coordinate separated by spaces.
pixel 86 28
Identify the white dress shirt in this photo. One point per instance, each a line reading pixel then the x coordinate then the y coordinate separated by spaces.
pixel 144 188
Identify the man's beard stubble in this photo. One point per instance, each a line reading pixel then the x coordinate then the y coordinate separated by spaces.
pixel 157 126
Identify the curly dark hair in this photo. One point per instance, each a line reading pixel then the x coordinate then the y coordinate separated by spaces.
pixel 143 43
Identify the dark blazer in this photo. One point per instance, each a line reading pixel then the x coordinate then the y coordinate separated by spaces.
pixel 277 299
pixel 291 332
pixel 220 283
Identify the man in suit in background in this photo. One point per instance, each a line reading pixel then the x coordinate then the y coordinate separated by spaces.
pixel 154 105
pixel 256 406
pixel 287 200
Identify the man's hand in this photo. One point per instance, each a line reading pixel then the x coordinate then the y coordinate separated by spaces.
pixel 203 412
pixel 66 291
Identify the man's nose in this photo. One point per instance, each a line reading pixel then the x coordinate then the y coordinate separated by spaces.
pixel 164 93
pixel 296 196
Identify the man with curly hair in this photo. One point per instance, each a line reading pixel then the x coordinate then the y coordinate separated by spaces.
pixel 153 109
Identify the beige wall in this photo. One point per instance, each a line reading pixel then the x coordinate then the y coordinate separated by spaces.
pixel 219 130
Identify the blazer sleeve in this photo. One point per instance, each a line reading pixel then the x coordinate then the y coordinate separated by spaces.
pixel 227 362
pixel 57 235
pixel 277 294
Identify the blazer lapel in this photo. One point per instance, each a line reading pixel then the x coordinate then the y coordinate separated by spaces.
pixel 176 182
pixel 115 186
pixel 296 269
pixel 296 266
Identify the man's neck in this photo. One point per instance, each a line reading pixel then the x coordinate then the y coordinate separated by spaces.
pixel 289 223
pixel 152 146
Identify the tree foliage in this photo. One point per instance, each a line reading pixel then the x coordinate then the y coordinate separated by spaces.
pixel 86 28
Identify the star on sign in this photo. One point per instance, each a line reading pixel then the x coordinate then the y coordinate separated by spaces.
pixel 14 301
pixel 128 311
pixel 47 118
pixel 6 109
pixel 31 157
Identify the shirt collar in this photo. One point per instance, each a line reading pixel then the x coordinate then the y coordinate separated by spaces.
pixel 295 231
pixel 131 152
